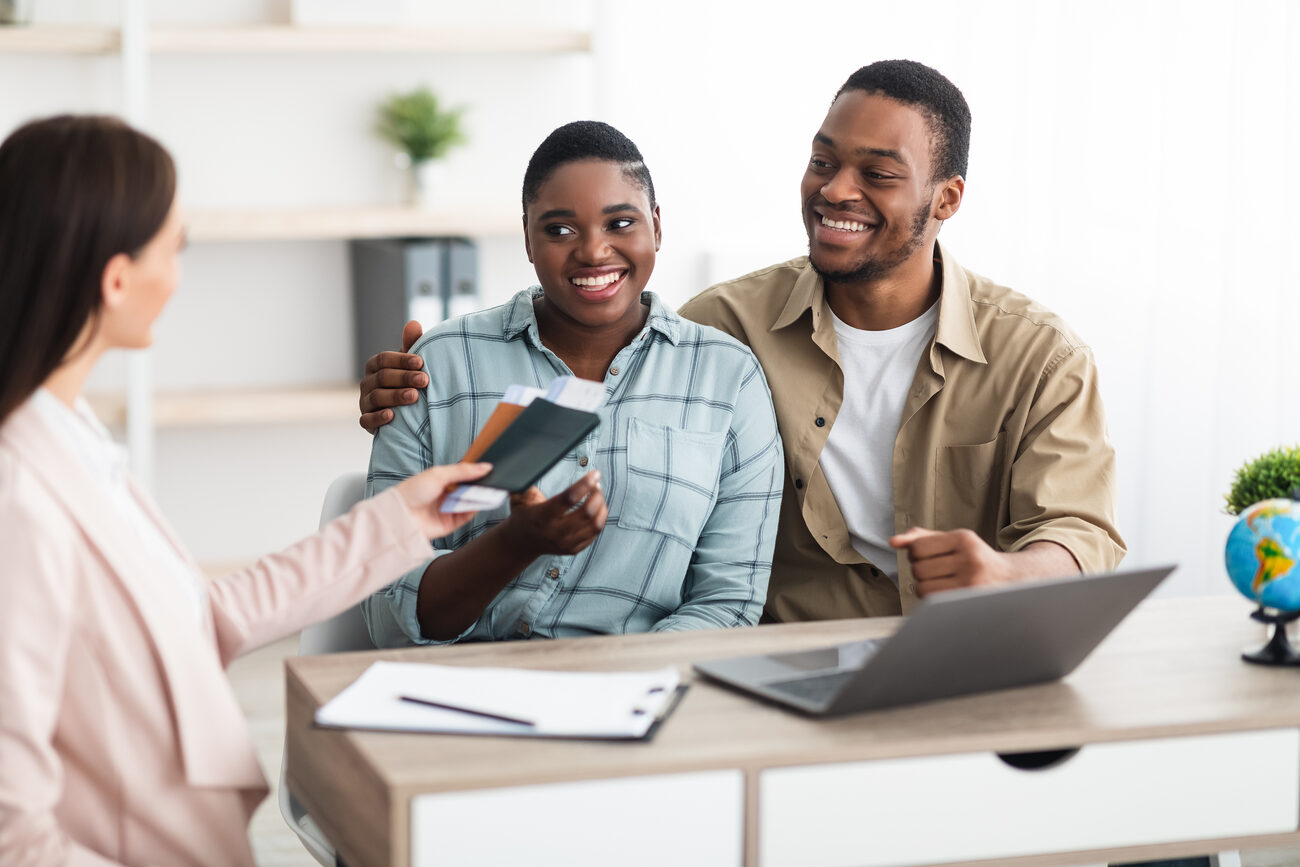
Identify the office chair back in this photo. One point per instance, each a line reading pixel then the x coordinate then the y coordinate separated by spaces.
pixel 346 630
pixel 342 632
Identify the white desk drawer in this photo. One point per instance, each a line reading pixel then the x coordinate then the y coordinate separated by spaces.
pixel 973 806
pixel 678 819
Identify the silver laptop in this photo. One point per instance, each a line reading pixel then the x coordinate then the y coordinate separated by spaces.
pixel 954 643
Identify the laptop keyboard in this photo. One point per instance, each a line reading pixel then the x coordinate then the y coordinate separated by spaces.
pixel 820 688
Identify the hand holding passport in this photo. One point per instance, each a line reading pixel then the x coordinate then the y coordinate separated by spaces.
pixel 529 432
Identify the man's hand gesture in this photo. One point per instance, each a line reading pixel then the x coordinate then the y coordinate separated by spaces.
pixel 959 558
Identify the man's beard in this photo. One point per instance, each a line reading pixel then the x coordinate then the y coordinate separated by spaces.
pixel 873 269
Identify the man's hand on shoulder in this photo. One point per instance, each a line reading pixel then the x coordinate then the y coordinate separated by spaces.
pixel 947 560
pixel 392 379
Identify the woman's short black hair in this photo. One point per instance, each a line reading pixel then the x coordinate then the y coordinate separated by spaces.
pixel 585 140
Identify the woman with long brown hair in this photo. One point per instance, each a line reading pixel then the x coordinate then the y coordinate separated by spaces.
pixel 120 739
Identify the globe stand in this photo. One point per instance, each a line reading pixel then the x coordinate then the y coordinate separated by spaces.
pixel 1278 650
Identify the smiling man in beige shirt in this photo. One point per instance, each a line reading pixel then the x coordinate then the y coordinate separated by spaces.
pixel 940 430
pixel 978 434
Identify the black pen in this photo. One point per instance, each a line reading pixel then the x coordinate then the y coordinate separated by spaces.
pixel 469 710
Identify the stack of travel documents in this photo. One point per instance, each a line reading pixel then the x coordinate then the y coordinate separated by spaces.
pixel 529 432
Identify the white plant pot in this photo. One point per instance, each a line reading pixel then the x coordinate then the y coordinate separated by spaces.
pixel 424 180
pixel 346 13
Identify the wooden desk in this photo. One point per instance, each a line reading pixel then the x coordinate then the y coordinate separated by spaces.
pixel 1186 750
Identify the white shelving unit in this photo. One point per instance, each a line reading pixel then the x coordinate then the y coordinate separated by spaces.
pixel 60 40
pixel 287 39
pixel 333 40
pixel 323 224
pixel 238 406
pixel 141 410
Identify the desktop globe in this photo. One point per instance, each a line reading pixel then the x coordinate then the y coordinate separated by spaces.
pixel 1262 556
pixel 1263 552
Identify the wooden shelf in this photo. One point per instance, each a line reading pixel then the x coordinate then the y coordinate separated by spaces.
pixel 339 223
pixel 59 40
pixel 243 406
pixel 287 39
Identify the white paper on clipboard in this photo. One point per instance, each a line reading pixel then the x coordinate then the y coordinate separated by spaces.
pixel 566 704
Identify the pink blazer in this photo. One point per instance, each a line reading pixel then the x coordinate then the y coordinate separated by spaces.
pixel 120 737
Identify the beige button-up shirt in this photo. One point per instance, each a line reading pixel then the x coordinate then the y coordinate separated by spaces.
pixel 1002 433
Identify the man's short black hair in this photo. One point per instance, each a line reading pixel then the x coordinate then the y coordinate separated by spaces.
pixel 585 140
pixel 936 97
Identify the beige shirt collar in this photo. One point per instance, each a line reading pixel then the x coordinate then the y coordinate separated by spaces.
pixel 956 329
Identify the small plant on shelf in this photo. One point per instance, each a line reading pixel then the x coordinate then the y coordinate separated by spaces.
pixel 423 131
pixel 1274 474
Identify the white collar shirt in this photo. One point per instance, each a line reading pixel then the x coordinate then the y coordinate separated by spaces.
pixel 106 462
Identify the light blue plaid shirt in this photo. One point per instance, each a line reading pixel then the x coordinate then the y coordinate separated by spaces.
pixel 690 463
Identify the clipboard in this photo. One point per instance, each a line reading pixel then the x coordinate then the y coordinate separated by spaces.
pixel 421 697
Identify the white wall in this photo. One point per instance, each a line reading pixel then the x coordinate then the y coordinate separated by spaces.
pixel 1128 168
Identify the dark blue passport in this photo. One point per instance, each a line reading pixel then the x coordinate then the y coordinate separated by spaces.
pixel 533 443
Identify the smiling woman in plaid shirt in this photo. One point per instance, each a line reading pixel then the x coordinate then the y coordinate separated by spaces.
pixel 663 517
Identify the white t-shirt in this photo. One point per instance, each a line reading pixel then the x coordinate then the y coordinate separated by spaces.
pixel 858 459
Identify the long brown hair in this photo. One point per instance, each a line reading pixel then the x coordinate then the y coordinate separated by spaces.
pixel 75 191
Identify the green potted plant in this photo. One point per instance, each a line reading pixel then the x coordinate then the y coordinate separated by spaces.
pixel 423 131
pixel 1273 475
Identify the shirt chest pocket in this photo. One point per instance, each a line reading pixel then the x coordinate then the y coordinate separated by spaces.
pixel 672 479
pixel 971 487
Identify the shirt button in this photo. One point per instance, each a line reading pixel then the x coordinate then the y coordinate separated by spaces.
pixel 582 462
pixel 613 371
pixel 553 573
pixel 526 628
pixel 798 483
pixel 821 422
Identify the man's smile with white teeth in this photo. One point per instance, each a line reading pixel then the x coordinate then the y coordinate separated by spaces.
pixel 847 225
pixel 602 280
